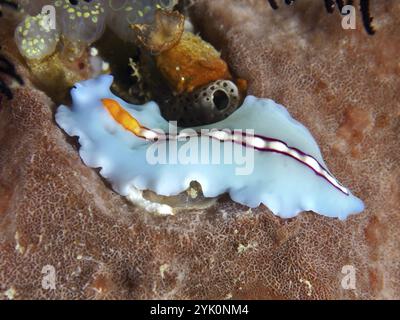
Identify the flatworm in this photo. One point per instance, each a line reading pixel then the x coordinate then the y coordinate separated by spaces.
pixel 259 154
pixel 258 142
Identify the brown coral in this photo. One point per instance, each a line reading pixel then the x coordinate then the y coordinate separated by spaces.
pixel 55 211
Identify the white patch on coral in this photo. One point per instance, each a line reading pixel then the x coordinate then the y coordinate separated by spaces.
pixel 10 293
pixel 135 196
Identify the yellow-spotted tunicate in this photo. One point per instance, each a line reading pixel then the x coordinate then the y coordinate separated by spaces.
pixel 121 14
pixel 81 20
pixel 35 37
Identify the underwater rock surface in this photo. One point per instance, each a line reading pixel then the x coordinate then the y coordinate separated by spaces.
pixel 343 85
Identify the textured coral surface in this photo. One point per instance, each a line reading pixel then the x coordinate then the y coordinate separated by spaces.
pixel 343 85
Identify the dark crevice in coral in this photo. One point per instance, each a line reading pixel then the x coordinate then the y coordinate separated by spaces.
pixel 9 4
pixel 340 4
pixel 273 4
pixel 366 17
pixel 330 7
pixel 118 54
pixel 8 68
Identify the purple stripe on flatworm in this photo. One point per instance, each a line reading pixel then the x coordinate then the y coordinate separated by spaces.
pixel 320 171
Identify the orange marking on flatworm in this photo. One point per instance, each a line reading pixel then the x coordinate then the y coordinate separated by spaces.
pixel 122 116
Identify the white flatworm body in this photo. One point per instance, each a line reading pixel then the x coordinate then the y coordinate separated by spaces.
pixel 286 173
